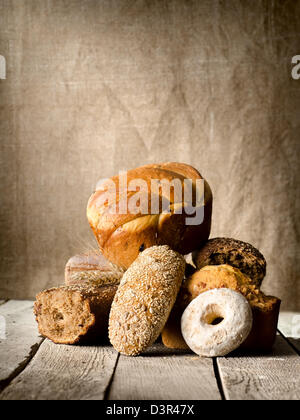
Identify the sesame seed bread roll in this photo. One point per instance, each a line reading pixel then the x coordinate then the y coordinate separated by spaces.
pixel 144 299
pixel 74 314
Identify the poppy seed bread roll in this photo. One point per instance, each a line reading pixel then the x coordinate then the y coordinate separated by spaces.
pixel 144 299
pixel 74 314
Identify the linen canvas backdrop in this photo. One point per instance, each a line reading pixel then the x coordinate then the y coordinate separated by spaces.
pixel 94 87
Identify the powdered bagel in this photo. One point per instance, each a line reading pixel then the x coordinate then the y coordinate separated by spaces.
pixel 216 322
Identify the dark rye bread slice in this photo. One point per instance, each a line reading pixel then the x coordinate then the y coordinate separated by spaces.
pixel 92 268
pixel 74 314
pixel 238 254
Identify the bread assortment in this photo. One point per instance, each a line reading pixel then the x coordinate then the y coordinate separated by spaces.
pixel 265 309
pixel 144 299
pixel 141 283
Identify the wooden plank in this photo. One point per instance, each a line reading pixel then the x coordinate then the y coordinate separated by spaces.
pixel 59 372
pixel 162 374
pixel 289 326
pixel 19 337
pixel 295 343
pixel 270 377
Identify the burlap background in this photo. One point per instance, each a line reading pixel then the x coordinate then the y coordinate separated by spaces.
pixel 97 86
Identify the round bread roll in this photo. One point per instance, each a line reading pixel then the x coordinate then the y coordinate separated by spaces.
pixel 92 268
pixel 122 233
pixel 144 299
pixel 74 314
pixel 216 323
pixel 236 253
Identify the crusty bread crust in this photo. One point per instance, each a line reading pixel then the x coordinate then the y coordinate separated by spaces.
pixel 144 299
pixel 92 268
pixel 122 236
pixel 74 314
pixel 241 255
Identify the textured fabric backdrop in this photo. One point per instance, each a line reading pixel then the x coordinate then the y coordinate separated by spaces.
pixel 97 86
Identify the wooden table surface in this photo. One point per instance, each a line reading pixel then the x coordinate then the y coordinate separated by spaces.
pixel 34 368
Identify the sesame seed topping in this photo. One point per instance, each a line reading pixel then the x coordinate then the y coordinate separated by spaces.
pixel 153 282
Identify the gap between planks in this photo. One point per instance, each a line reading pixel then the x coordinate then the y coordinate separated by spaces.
pixel 16 348
pixel 60 372
pixel 164 374
pixel 75 372
pixel 158 374
pixel 274 376
pixel 218 378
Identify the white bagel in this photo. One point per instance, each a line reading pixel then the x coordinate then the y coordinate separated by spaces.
pixel 208 339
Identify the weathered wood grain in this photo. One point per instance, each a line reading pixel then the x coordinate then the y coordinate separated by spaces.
pixel 77 372
pixel 19 337
pixel 162 374
pixel 270 377
pixel 60 372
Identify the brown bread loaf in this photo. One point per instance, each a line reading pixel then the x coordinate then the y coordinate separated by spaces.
pixel 122 236
pixel 241 255
pixel 265 308
pixel 74 314
pixel 92 268
pixel 144 299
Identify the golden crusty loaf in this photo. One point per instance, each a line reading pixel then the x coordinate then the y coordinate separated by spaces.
pixel 92 268
pixel 242 255
pixel 122 236
pixel 74 314
pixel 265 308
pixel 144 299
